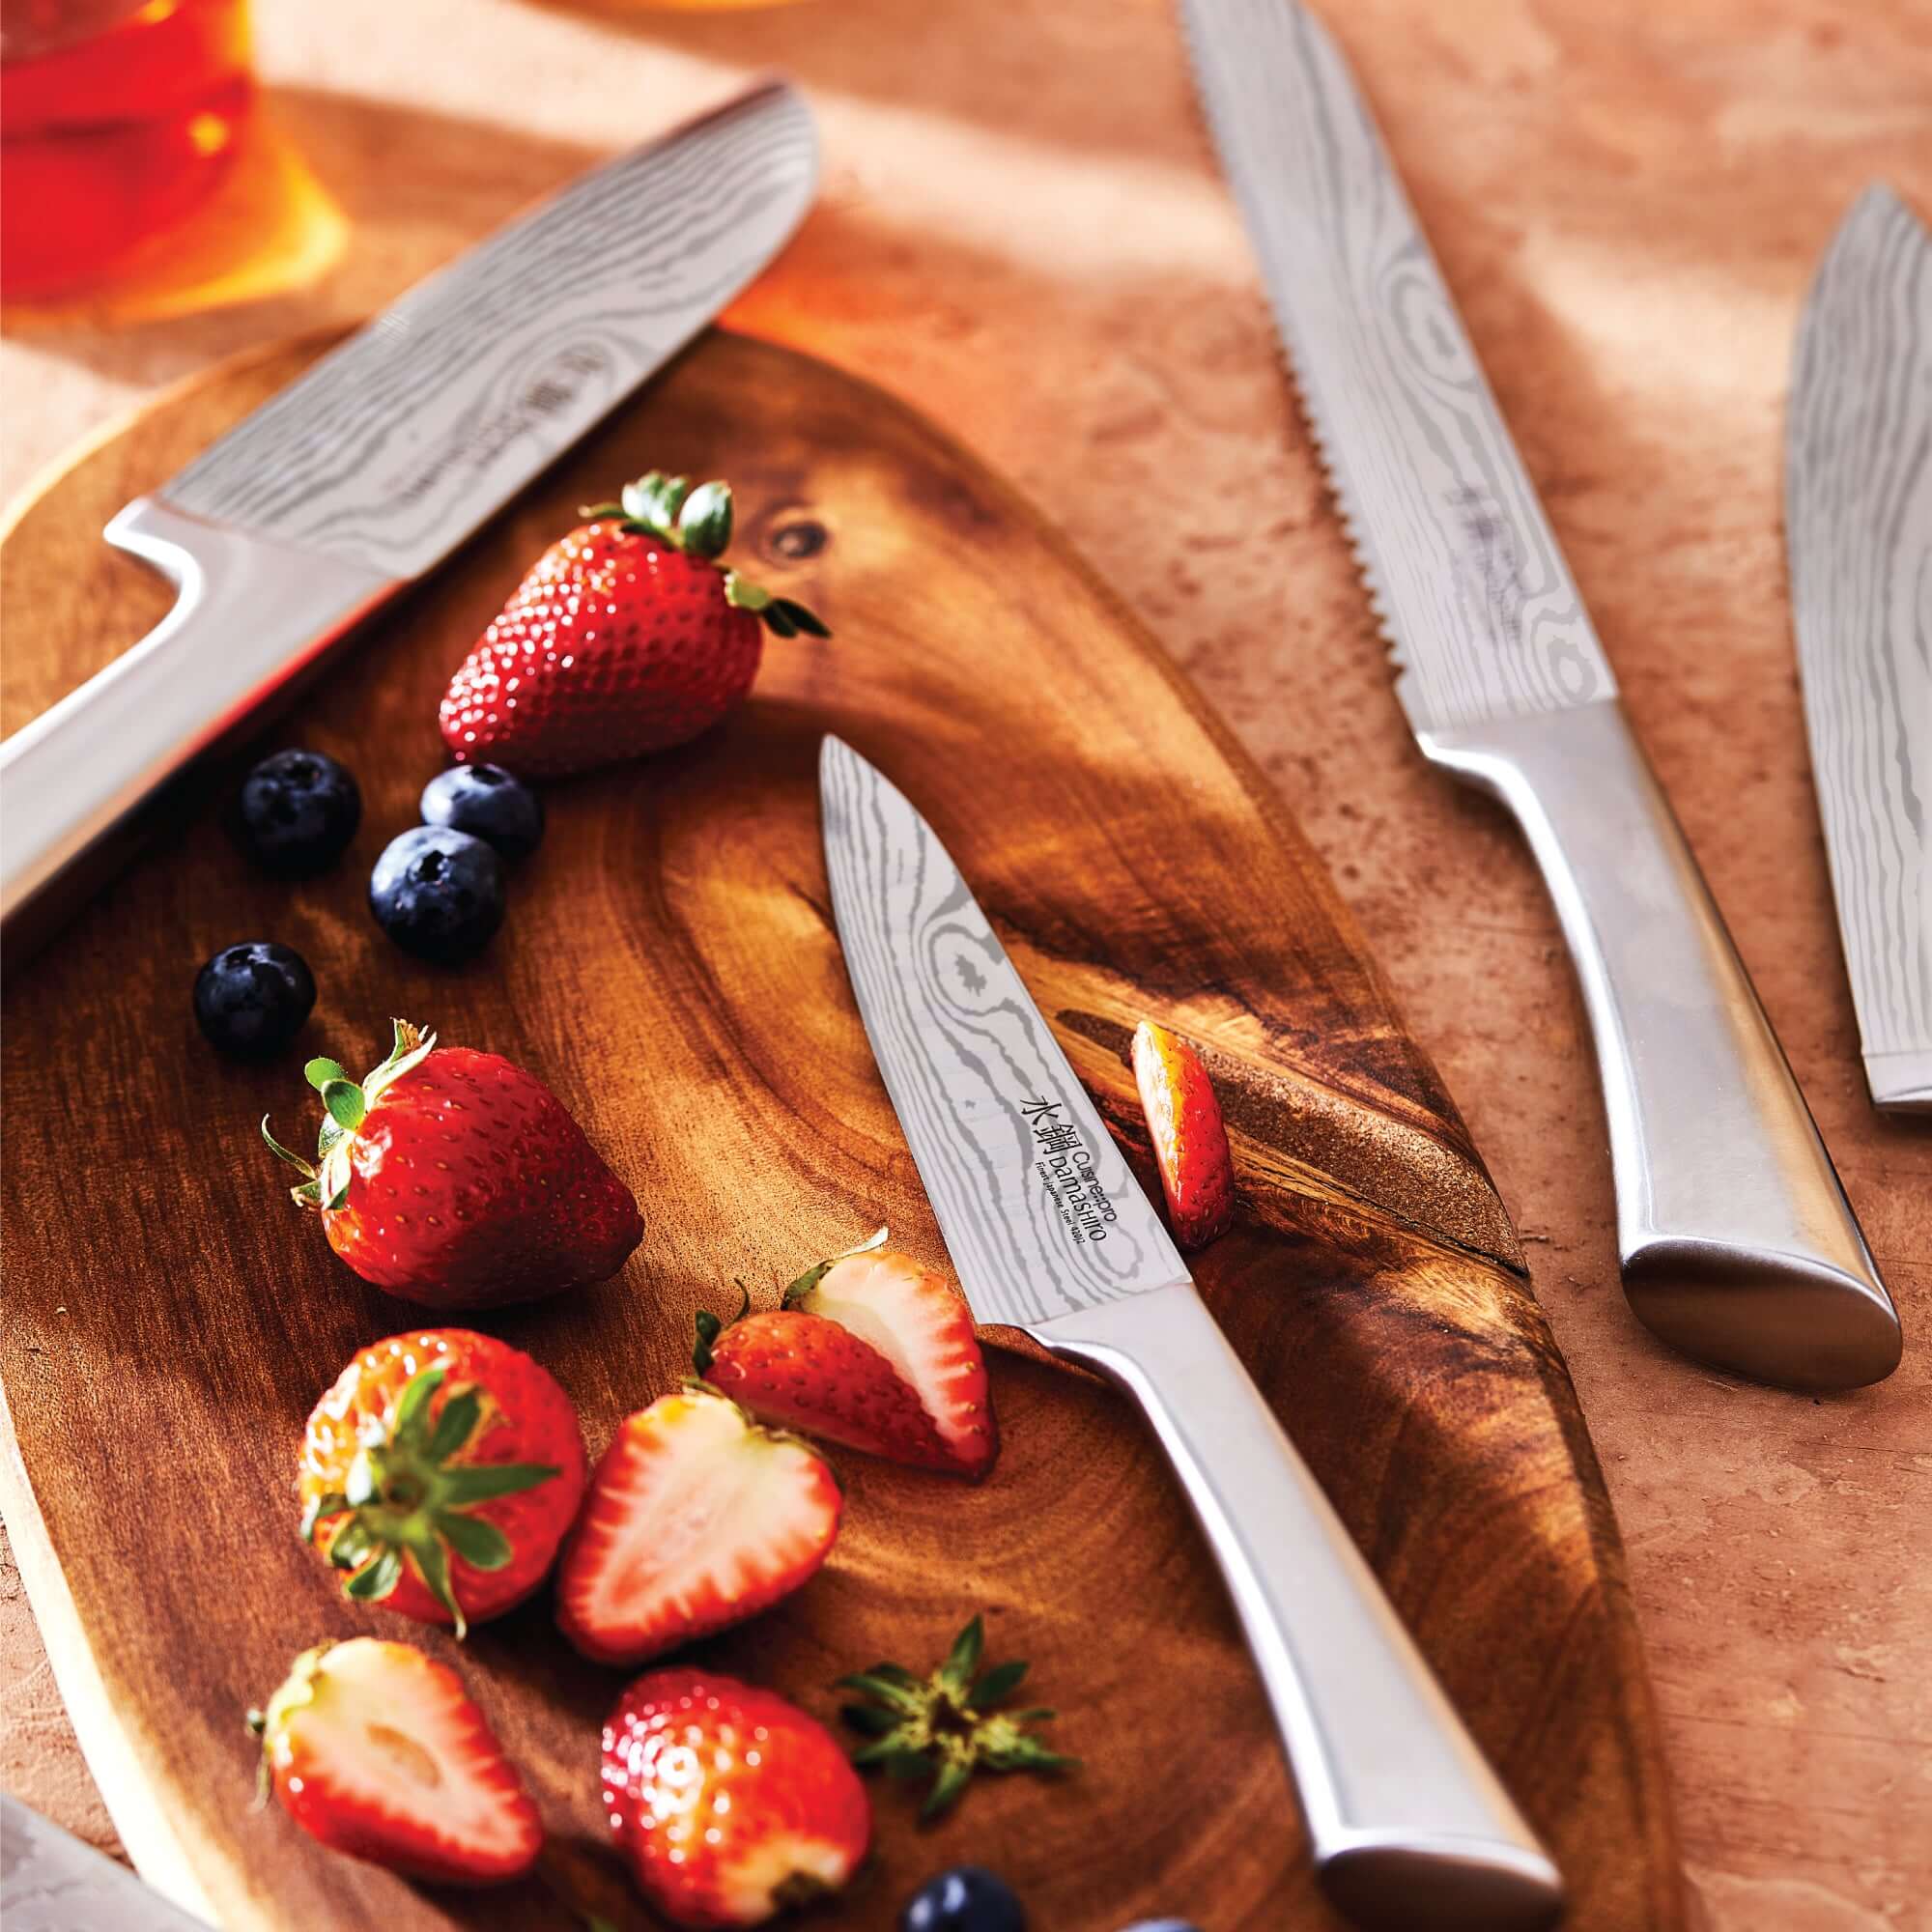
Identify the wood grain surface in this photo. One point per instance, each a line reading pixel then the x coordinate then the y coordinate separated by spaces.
pixel 667 966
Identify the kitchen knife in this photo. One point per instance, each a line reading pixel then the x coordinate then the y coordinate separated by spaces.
pixel 53 1882
pixel 1050 1232
pixel 1736 1243
pixel 373 467
pixel 1858 519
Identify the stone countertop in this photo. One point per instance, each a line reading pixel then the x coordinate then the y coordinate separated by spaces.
pixel 1022 231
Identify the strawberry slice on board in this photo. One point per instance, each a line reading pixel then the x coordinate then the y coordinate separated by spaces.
pixel 730 1803
pixel 1190 1143
pixel 695 1519
pixel 807 1371
pixel 924 1329
pixel 377 1750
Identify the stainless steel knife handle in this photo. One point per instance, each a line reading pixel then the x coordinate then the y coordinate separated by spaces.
pixel 1738 1245
pixel 250 614
pixel 1408 1826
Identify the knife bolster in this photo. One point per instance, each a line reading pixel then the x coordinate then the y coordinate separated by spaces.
pixel 249 618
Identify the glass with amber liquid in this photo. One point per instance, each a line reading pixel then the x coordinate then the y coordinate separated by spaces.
pixel 117 119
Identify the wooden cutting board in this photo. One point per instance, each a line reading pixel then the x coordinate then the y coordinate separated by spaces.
pixel 669 966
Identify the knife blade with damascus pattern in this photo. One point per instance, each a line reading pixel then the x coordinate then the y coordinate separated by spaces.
pixel 1736 1243
pixel 370 468
pixel 1858 521
pixel 1050 1232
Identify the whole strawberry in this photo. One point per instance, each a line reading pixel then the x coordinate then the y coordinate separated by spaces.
pixel 730 1803
pixel 627 636
pixel 441 1473
pixel 454 1178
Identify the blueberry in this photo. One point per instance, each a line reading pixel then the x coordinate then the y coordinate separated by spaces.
pixel 968 1898
pixel 300 809
pixel 437 892
pixel 252 999
pixel 489 804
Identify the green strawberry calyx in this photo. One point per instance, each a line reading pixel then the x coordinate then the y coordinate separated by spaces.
pixel 944 1727
pixel 409 1497
pixel 345 1105
pixel 699 522
pixel 819 1270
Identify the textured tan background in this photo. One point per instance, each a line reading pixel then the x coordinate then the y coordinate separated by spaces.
pixel 1022 231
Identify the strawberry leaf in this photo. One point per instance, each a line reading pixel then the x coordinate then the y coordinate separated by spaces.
pixel 798 616
pixel 1002 1681
pixel 705 522
pixel 480 1544
pixel 275 1147
pixel 894 1696
pixel 709 1329
pixel 475 1483
pixel 433 1565
pixel 319 1072
pixel 353 1545
pixel 320 1510
pixel 456 1425
pixel 956 1674
pixel 345 1105
pixel 375 1580
pixel 411 1417
pixel 954 1775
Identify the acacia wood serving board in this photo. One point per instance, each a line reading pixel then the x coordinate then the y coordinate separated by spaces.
pixel 669 966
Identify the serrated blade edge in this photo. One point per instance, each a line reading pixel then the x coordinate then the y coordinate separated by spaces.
pixel 1459 559
pixel 1858 528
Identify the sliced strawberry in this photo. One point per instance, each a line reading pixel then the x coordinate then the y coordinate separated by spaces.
pixel 696 1518
pixel 1190 1144
pixel 377 1751
pixel 807 1372
pixel 923 1329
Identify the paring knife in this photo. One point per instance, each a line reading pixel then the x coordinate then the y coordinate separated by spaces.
pixel 1050 1232
pixel 1736 1243
pixel 53 1882
pixel 1858 519
pixel 372 468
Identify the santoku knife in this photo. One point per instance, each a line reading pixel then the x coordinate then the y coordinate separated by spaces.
pixel 1858 521
pixel 373 467
pixel 1051 1233
pixel 1736 1243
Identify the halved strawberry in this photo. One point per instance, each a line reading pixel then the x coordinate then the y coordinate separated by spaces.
pixel 924 1329
pixel 377 1751
pixel 696 1518
pixel 1190 1144
pixel 807 1372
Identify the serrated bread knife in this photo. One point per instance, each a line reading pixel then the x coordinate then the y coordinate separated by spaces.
pixel 1857 522
pixel 1736 1243
pixel 1050 1232
pixel 367 471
